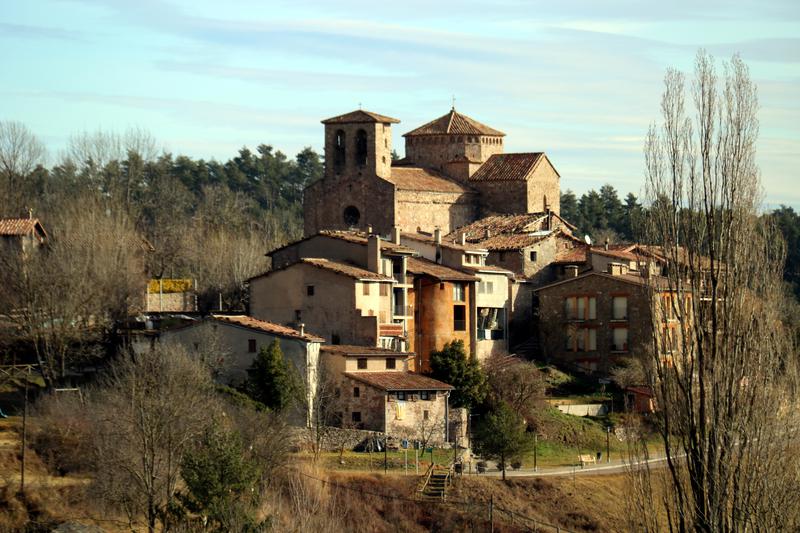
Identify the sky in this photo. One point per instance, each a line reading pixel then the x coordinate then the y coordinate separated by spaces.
pixel 578 79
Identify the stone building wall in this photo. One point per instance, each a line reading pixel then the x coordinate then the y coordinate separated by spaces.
pixel 406 418
pixel 370 403
pixel 502 196
pixel 427 211
pixel 326 202
pixel 436 151
pixel 544 189
pixel 171 302
pixel 554 322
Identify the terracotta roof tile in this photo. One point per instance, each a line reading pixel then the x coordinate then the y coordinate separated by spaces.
pixel 344 269
pixel 267 327
pixel 496 224
pixel 573 255
pixel 424 179
pixel 390 381
pixel 454 123
pixel 487 269
pixel 446 242
pixel 507 167
pixel 360 116
pixel 360 237
pixel 20 226
pixel 424 267
pixel 362 351
pixel 616 254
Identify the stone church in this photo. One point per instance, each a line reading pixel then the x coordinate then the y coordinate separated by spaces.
pixel 454 172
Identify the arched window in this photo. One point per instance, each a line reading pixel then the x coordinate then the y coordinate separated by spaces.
pixel 338 151
pixel 351 215
pixel 361 148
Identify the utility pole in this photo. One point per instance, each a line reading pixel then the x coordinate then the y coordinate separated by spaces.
pixel 385 454
pixel 24 434
pixel 491 513
pixel 608 448
pixel 535 452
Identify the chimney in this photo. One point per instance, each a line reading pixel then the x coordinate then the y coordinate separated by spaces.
pixel 301 328
pixel 374 253
pixel 487 233
pixel 571 271
pixel 396 235
pixel 463 239
pixel 437 236
pixel 606 244
pixel 369 229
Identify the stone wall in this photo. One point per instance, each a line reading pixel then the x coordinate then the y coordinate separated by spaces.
pixel 371 198
pixel 544 189
pixel 554 323
pixel 427 211
pixel 406 418
pixel 435 151
pixel 171 302
pixel 502 196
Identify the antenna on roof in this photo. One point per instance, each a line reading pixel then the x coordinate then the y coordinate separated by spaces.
pixel 453 108
pixel 359 106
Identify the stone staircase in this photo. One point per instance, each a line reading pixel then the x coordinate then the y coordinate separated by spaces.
pixel 435 483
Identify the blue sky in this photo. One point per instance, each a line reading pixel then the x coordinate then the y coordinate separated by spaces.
pixel 578 79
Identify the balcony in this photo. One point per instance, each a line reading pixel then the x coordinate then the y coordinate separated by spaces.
pixel 390 330
pixel 403 310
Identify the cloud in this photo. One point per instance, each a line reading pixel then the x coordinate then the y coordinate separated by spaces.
pixel 40 32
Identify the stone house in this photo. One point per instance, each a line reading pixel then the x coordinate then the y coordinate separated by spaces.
pixel 21 236
pixel 453 172
pixel 377 392
pixel 233 341
pixel 594 318
pixel 165 295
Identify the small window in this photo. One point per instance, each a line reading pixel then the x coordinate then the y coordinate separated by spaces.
pixel 356 392
pixel 391 363
pixel 401 395
pixel 366 285
pixel 424 395
pixel 384 289
pixel 361 148
pixel 459 318
pixel 356 416
pixel 619 308
pixel 458 292
pixel 362 363
pixel 351 215
pixel 251 345
pixel 309 290
pixel 533 256
pixel 425 414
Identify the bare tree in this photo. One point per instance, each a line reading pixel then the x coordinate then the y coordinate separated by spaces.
pixel 144 417
pixel 20 152
pixel 722 361
pixel 518 383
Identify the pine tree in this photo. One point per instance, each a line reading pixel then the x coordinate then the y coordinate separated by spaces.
pixel 271 379
pixel 502 436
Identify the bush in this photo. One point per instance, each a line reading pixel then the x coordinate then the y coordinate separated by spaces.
pixel 516 465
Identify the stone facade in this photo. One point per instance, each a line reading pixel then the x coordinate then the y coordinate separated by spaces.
pixel 362 188
pixel 570 337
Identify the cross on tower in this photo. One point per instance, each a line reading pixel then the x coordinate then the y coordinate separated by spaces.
pixel 454 103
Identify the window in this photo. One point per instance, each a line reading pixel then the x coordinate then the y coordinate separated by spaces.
pixel 580 308
pixel 619 308
pixel 361 362
pixel 581 339
pixel 356 416
pixel 486 287
pixel 424 395
pixel 620 340
pixel 366 288
pixel 425 414
pixel 309 290
pixel 533 256
pixel 458 292
pixel 251 345
pixel 491 323
pixel 361 148
pixel 459 318
pixel 401 395
pixel 351 215
pixel 356 392
pixel 384 289
pixel 391 363
pixel 338 151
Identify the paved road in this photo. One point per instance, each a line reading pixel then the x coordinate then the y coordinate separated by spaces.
pixel 612 467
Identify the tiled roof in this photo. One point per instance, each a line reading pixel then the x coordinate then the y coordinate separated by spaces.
pixel 360 116
pixel 573 255
pixel 424 179
pixel 508 167
pixel 390 381
pixel 360 237
pixel 446 242
pixel 487 269
pixel 497 224
pixel 266 327
pixel 619 253
pixel 657 282
pixel 505 242
pixel 19 226
pixel 454 123
pixel 420 266
pixel 344 269
pixel 362 351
